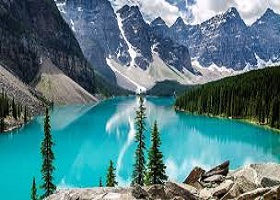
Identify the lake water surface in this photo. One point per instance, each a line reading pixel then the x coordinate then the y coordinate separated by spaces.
pixel 87 137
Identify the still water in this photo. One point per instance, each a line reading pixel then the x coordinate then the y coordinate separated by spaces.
pixel 86 137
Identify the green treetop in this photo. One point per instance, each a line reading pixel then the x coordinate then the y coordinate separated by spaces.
pixel 156 169
pixel 48 157
pixel 140 162
pixel 111 177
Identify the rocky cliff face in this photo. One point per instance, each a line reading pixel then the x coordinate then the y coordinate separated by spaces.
pixel 32 29
pixel 123 36
pixel 94 23
pixel 225 40
pixel 255 181
pixel 266 36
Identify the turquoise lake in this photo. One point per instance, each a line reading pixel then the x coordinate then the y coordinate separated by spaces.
pixel 86 137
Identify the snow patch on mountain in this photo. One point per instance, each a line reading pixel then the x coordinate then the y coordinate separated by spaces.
pixel 131 50
pixel 139 88
pixel 61 6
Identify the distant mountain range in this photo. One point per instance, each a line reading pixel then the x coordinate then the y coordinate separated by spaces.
pixel 225 40
pixel 136 55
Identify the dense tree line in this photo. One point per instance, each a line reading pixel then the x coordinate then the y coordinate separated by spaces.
pixel 9 107
pixel 254 95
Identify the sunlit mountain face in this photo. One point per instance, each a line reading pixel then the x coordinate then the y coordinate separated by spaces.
pixel 137 44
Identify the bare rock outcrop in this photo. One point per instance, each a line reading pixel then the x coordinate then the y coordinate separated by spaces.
pixel 258 181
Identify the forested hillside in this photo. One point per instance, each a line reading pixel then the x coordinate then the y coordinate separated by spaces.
pixel 11 113
pixel 254 95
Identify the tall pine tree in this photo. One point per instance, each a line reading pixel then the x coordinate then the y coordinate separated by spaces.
pixel 34 190
pixel 156 169
pixel 140 162
pixel 48 157
pixel 111 176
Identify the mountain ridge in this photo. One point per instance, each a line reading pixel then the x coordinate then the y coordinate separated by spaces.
pixel 222 42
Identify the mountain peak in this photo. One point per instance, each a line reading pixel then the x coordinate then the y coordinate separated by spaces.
pixel 269 13
pixel 233 12
pixel 129 9
pixel 179 20
pixel 158 22
pixel 179 23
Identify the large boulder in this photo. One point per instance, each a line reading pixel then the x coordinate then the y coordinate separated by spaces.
pixel 221 169
pixel 156 192
pixel 241 185
pixel 139 193
pixel 214 179
pixel 174 190
pixel 217 192
pixel 194 176
pixel 222 189
pixel 256 172
pixel 269 182
pixel 273 194
pixel 253 194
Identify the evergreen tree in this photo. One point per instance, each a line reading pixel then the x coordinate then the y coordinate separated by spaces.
pixel 111 177
pixel 48 158
pixel 14 109
pixel 25 115
pixel 275 114
pixel 2 124
pixel 100 182
pixel 254 95
pixel 156 169
pixel 34 190
pixel 139 166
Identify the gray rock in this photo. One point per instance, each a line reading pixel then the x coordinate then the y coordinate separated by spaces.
pixel 232 193
pixel 269 182
pixel 273 194
pixel 214 179
pixel 139 193
pixel 174 190
pixel 241 185
pixel 255 172
pixel 222 189
pixel 221 169
pixel 205 194
pixel 178 198
pixel 253 194
pixel 194 176
pixel 156 192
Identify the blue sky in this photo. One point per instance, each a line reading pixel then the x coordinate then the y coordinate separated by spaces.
pixel 197 11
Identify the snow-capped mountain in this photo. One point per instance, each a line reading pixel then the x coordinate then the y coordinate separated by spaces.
pixel 226 41
pixel 265 33
pixel 123 47
pixel 127 50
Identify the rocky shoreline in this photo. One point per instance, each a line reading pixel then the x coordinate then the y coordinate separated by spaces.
pixel 252 182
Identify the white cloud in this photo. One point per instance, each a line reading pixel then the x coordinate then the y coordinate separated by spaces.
pixel 248 9
pixel 153 9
